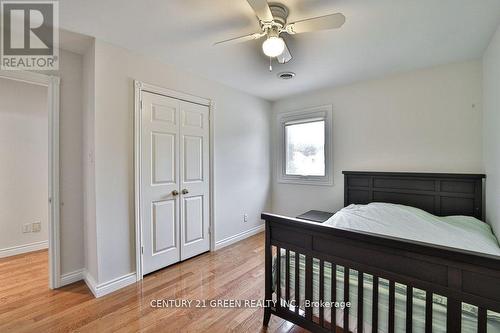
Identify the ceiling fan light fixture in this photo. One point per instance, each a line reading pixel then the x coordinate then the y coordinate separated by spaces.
pixel 273 46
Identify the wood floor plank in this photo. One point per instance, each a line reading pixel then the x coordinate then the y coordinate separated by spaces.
pixel 232 273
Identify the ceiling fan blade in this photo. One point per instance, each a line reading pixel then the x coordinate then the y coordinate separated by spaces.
pixel 284 57
pixel 326 22
pixel 261 9
pixel 240 39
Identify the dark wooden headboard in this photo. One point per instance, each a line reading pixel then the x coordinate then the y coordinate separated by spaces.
pixel 437 193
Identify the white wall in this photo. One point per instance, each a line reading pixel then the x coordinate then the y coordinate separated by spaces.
pixel 427 120
pixel 70 148
pixel 491 143
pixel 90 228
pixel 24 162
pixel 242 159
pixel 70 159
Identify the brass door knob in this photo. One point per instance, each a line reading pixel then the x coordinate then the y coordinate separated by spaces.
pixel 185 191
pixel 175 193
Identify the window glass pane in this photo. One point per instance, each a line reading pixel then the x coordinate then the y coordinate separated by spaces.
pixel 305 149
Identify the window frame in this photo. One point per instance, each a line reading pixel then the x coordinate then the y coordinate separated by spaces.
pixel 318 113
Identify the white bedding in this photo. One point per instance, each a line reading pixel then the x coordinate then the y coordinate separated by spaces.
pixel 461 232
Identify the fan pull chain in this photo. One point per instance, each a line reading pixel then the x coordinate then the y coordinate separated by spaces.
pixel 270 64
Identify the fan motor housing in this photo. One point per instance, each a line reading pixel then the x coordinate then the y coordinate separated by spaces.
pixel 280 13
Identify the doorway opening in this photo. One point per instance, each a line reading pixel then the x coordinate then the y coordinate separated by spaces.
pixel 29 174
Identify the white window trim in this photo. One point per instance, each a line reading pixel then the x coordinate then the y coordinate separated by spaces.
pixel 325 113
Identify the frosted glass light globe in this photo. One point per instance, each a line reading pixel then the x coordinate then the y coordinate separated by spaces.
pixel 273 46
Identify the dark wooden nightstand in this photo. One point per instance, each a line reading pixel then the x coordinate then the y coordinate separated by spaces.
pixel 315 216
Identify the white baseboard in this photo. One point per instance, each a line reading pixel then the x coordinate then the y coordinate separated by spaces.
pixel 236 238
pixel 90 282
pixel 72 277
pixel 12 251
pixel 102 289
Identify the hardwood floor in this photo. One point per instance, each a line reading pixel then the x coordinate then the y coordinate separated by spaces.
pixel 235 273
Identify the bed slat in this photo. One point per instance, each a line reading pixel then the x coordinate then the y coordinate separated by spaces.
pixel 481 319
pixel 409 309
pixel 309 285
pixel 287 277
pixel 297 282
pixel 321 292
pixel 360 301
pixel 375 305
pixel 391 306
pixel 333 292
pixel 278 276
pixel 346 298
pixel 453 316
pixel 428 312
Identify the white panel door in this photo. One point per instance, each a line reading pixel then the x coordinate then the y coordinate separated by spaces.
pixel 194 170
pixel 174 179
pixel 160 181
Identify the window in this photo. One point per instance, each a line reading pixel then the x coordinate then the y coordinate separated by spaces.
pixel 304 146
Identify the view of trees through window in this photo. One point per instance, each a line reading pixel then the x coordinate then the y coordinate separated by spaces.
pixel 305 149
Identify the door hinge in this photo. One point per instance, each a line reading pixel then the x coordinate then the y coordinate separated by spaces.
pixel 210 230
pixel 142 106
pixel 142 249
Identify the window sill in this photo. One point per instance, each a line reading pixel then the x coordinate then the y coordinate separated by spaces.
pixel 306 181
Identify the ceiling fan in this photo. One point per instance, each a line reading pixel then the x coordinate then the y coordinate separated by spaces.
pixel 273 22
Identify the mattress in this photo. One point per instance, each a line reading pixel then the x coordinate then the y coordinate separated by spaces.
pixel 403 222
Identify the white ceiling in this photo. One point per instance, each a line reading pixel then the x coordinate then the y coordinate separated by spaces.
pixel 378 38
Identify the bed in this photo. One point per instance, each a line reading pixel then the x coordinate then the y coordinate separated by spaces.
pixel 402 280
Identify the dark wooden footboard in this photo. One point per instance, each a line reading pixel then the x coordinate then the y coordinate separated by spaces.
pixel 460 276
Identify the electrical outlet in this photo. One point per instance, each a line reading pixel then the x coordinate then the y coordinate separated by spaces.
pixel 26 228
pixel 36 227
pixel 245 217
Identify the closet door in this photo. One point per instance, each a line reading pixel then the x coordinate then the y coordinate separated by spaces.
pixel 194 170
pixel 160 181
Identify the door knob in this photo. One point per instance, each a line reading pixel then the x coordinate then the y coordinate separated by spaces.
pixel 175 193
pixel 185 191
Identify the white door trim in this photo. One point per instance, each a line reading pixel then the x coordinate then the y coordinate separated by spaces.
pixel 53 85
pixel 139 87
